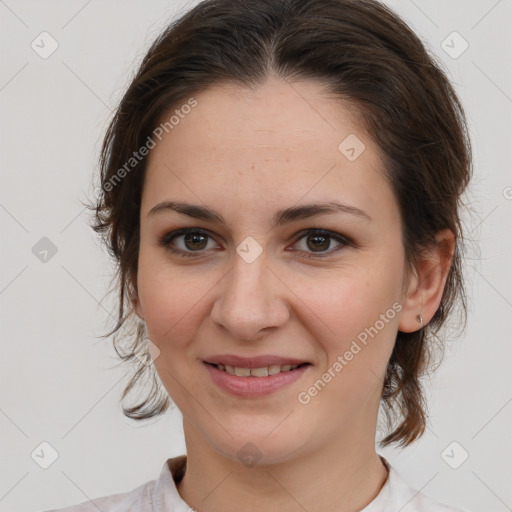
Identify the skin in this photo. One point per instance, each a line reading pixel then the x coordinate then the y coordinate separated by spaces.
pixel 248 153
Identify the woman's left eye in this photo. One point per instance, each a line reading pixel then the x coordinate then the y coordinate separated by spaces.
pixel 321 239
pixel 194 242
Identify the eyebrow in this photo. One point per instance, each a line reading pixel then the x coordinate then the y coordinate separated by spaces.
pixel 280 218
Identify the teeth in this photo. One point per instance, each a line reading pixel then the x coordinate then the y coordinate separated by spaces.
pixel 273 369
pixel 242 372
pixel 257 372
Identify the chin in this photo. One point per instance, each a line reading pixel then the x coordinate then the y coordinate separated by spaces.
pixel 257 447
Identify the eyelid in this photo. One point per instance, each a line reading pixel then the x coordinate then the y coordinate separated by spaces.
pixel 322 231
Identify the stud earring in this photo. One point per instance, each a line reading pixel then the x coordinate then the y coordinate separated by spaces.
pixel 420 320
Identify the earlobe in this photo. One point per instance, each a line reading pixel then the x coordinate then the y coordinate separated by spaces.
pixel 427 285
pixel 136 307
pixel 412 315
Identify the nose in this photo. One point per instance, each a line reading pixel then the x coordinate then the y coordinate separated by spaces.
pixel 251 300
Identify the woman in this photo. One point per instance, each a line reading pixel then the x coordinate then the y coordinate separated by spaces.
pixel 281 190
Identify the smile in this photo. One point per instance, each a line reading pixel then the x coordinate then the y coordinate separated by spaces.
pixel 255 382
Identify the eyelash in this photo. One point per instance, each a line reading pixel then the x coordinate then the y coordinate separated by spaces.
pixel 166 240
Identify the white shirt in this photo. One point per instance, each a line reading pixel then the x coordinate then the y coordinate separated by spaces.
pixel 162 495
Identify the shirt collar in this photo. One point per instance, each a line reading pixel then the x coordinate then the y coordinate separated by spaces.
pixel 166 497
pixel 165 493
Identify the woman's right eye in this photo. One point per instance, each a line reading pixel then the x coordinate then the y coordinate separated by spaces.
pixel 191 240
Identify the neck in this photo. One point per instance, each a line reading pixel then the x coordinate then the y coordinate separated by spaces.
pixel 340 475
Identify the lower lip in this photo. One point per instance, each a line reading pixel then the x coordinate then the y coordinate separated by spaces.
pixel 249 387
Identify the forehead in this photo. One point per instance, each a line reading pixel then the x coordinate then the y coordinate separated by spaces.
pixel 276 143
pixel 279 111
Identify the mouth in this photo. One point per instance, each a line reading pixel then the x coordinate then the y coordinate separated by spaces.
pixel 263 371
pixel 258 378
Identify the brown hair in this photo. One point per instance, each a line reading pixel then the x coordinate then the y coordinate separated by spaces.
pixel 365 54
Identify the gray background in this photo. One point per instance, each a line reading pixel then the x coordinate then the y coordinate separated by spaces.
pixel 58 381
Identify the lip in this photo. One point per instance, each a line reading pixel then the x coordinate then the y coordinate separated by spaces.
pixel 252 387
pixel 254 361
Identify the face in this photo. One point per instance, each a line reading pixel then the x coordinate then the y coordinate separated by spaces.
pixel 322 289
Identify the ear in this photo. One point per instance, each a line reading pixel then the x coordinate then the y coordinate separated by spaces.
pixel 136 307
pixel 426 283
pixel 135 301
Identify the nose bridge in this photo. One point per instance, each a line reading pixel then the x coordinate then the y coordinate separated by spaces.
pixel 250 299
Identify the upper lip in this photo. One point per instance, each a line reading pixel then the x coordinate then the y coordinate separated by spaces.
pixel 253 362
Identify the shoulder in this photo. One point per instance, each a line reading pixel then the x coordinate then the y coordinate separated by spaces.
pixel 398 495
pixel 156 495
pixel 136 500
pixel 422 503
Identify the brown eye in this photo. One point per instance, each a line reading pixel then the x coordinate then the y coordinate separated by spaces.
pixel 186 242
pixel 195 241
pixel 318 242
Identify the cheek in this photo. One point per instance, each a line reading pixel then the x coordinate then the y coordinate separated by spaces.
pixel 362 316
pixel 177 302
pixel 167 296
pixel 173 307
pixel 356 312
pixel 351 299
